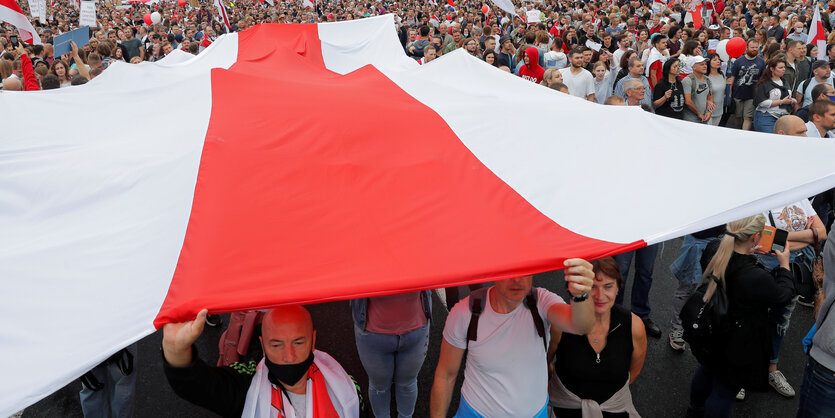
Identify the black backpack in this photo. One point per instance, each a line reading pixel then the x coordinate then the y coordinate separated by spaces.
pixel 477 302
pixel 704 317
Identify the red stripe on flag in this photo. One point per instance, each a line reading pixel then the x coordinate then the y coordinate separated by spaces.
pixel 326 187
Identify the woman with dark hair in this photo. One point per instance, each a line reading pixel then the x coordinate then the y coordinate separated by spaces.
pixel 490 57
pixel 772 98
pixel 624 65
pixel 718 85
pixel 771 51
pixel 600 365
pixel 691 50
pixel 811 53
pixel 668 96
pixel 738 357
pixel 61 70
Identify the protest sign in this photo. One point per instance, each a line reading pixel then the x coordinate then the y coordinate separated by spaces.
pixel 61 43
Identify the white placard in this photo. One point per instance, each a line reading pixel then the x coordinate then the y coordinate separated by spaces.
pixel 41 10
pixel 593 45
pixel 87 14
pixel 533 16
pixel 34 8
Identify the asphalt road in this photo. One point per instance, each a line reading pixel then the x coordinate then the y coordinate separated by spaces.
pixel 661 390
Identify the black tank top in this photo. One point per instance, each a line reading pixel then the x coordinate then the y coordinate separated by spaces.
pixel 577 365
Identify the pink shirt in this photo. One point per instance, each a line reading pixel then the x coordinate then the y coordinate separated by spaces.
pixel 395 314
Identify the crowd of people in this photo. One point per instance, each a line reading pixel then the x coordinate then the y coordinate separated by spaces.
pixel 570 359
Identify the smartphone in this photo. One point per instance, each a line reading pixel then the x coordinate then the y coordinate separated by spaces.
pixel 780 237
pixel 13 40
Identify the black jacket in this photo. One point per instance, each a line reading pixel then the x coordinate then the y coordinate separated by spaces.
pixel 761 93
pixel 741 359
pixel 221 390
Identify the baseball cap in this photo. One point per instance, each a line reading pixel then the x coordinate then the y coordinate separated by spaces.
pixel 698 59
pixel 820 63
pixel 504 39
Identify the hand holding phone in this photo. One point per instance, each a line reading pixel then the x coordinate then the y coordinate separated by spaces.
pixel 13 40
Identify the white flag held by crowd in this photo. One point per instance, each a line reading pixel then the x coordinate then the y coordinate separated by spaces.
pixel 126 234
pixel 506 5
pixel 224 18
pixel 10 12
pixel 87 15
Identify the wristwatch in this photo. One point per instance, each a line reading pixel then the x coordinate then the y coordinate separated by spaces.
pixel 580 298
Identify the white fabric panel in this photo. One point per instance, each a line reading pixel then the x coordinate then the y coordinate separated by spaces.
pixel 615 173
pixel 349 45
pixel 98 201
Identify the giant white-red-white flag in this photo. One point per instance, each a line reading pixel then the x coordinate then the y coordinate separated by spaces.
pixel 817 36
pixel 10 12
pixel 289 178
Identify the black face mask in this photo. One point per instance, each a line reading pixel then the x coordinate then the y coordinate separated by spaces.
pixel 289 374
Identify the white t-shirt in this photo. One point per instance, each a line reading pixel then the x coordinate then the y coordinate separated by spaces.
pixel 506 373
pixel 580 85
pixel 793 217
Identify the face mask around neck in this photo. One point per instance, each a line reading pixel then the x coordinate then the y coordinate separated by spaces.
pixel 289 374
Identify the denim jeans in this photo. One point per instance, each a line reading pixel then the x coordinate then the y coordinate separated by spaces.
pixel 644 263
pixel 687 269
pixel 710 396
pixel 780 318
pixel 817 393
pixel 396 358
pixel 117 398
pixel 764 122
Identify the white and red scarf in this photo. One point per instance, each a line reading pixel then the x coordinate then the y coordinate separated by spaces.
pixel 330 393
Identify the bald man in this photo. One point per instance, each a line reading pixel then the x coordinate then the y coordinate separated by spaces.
pixel 293 380
pixel 790 125
pixel 12 84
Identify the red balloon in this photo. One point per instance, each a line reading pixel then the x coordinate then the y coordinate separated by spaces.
pixel 147 19
pixel 182 3
pixel 485 9
pixel 736 47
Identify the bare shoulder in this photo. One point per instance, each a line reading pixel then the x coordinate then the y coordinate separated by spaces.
pixel 637 326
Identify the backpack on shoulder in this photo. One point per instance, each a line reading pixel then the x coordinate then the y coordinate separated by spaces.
pixel 704 317
pixel 477 303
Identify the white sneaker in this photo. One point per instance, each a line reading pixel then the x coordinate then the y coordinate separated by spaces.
pixel 741 395
pixel 677 339
pixel 780 384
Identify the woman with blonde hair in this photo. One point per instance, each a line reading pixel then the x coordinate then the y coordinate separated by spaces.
pixel 739 357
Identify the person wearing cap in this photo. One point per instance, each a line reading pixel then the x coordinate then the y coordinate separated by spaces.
pixel 698 98
pixel 507 53
pixel 822 75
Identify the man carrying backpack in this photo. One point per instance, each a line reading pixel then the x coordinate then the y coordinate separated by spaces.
pixel 698 99
pixel 504 331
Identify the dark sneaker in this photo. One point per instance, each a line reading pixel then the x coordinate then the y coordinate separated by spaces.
pixel 213 320
pixel 677 339
pixel 652 329
pixel 806 301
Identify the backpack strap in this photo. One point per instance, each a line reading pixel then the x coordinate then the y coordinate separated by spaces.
pixel 477 302
pixel 530 302
pixel 693 81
